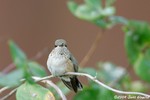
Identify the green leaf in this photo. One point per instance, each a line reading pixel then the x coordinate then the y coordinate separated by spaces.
pixel 12 79
pixel 118 20
pixel 94 92
pixel 137 39
pixel 29 91
pixel 87 94
pixel 72 6
pixel 102 23
pixel 17 54
pixel 142 66
pixel 20 60
pixel 137 43
pixel 108 11
pixel 131 47
pixel 110 72
pixel 87 13
pixel 92 11
pixel 106 21
pixel 36 69
pixel 93 3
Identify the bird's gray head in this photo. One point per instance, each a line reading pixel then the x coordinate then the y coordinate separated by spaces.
pixel 60 43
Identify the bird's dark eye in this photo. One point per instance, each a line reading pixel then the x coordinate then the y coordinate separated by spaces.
pixel 65 45
pixel 55 45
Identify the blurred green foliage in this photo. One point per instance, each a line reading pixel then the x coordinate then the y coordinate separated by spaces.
pixel 94 92
pixel 94 11
pixel 137 44
pixel 25 68
pixel 101 14
pixel 29 91
pixel 12 79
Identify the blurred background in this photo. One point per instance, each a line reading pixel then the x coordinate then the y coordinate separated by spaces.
pixel 36 24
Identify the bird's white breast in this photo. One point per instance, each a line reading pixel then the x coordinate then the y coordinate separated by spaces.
pixel 56 64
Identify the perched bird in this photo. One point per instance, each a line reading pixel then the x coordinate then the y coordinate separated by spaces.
pixel 60 61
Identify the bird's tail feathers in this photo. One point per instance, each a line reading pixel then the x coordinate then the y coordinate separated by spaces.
pixel 73 84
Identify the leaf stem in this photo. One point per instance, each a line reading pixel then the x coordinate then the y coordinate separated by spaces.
pixel 92 49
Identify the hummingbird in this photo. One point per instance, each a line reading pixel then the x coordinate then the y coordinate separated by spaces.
pixel 61 61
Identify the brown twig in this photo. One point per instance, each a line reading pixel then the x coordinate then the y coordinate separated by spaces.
pixel 40 54
pixel 9 94
pixel 91 50
pixel 8 68
pixel 3 89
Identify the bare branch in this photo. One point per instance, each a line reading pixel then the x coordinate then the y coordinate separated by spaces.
pixel 40 54
pixel 8 68
pixel 91 50
pixel 107 87
pixel 100 83
pixel 3 89
pixel 9 94
pixel 37 79
pixel 56 88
